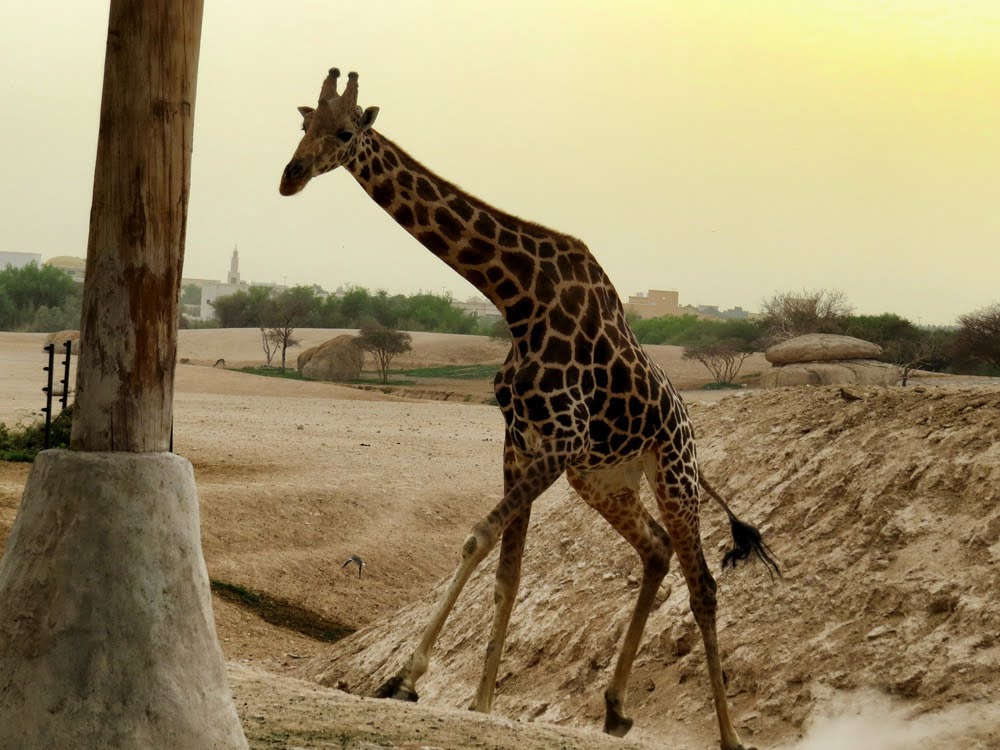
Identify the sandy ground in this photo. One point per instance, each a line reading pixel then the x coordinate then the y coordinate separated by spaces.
pixel 884 512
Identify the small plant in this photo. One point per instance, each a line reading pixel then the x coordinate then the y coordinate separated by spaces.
pixel 23 442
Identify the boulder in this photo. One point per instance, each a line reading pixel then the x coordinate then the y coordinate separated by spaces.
pixel 339 358
pixel 304 358
pixel 821 347
pixel 61 337
pixel 849 372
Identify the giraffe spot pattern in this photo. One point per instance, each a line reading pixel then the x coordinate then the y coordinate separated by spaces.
pixel 485 226
pixel 384 193
pixel 404 216
pixel 575 375
pixel 449 225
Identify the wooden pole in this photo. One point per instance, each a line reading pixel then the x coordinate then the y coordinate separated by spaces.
pixel 107 636
pixel 135 250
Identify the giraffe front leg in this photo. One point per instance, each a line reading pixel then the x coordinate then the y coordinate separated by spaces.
pixel 505 592
pixel 403 685
pixel 537 477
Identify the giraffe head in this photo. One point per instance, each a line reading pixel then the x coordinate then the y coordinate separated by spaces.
pixel 332 132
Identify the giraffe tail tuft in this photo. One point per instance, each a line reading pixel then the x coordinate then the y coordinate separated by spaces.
pixel 748 541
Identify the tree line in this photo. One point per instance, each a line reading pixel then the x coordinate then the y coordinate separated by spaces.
pixel 972 347
pixel 308 307
pixel 39 298
pixel 44 298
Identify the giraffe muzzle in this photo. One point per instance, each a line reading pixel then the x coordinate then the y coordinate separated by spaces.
pixel 294 178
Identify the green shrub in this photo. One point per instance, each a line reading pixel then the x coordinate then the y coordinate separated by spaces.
pixel 22 442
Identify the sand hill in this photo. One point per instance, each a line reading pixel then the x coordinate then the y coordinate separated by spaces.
pixel 885 514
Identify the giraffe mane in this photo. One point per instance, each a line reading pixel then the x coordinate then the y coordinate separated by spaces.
pixel 523 225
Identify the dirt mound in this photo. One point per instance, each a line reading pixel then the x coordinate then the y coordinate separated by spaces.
pixel 884 513
pixel 340 358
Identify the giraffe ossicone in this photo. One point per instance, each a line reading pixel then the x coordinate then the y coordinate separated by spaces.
pixel 578 395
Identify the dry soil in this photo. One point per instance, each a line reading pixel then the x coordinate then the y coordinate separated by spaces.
pixel 883 632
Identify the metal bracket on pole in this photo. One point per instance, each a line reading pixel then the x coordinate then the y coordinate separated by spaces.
pixel 47 409
pixel 65 379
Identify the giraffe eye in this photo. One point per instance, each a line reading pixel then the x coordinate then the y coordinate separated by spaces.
pixel 345 135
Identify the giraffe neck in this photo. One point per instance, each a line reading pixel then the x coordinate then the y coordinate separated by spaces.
pixel 514 263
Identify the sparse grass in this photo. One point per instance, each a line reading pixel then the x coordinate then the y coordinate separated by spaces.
pixel 282 613
pixel 396 377
pixel 457 372
pixel 722 386
pixel 378 381
pixel 22 442
pixel 274 372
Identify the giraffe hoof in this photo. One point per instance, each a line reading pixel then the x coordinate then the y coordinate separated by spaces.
pixel 617 725
pixel 395 689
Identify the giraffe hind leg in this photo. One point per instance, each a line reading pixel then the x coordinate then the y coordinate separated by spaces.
pixel 676 488
pixel 615 495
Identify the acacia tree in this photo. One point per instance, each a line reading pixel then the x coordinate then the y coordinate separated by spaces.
pixel 383 344
pixel 269 345
pixel 722 358
pixel 978 335
pixel 786 315
pixel 290 308
pixel 926 350
pixel 722 346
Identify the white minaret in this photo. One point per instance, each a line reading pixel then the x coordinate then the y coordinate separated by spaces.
pixel 234 268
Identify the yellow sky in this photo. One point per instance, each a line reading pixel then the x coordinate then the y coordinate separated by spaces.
pixel 722 148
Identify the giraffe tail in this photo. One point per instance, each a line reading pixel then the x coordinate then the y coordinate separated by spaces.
pixel 747 539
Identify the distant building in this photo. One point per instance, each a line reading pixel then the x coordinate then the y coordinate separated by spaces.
pixel 736 313
pixel 212 290
pixel 479 307
pixel 19 260
pixel 234 268
pixel 659 302
pixel 71 264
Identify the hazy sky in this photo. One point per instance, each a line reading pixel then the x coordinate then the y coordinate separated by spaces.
pixel 723 149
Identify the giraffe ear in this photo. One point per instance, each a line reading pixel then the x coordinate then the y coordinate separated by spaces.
pixel 306 111
pixel 368 118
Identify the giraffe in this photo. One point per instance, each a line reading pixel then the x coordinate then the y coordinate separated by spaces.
pixel 578 395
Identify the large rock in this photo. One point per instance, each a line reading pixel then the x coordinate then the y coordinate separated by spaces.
pixel 339 358
pixel 821 347
pixel 61 337
pixel 304 358
pixel 850 372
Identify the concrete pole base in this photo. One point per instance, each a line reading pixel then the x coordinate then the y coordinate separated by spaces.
pixel 107 638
